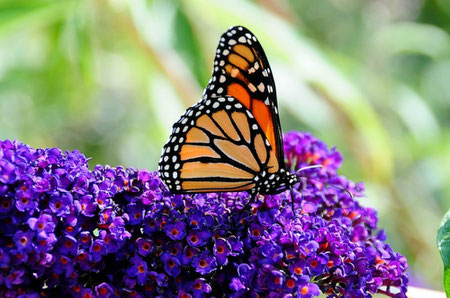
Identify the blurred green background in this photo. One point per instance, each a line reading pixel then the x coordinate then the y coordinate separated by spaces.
pixel 109 78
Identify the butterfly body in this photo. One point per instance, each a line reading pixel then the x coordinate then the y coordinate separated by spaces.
pixel 231 140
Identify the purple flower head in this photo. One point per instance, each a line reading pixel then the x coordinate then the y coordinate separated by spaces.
pixel 196 220
pixel 24 241
pixel 83 260
pixel 204 263
pixel 104 290
pixel 275 279
pixel 85 239
pixel 68 245
pixel 41 185
pixel 63 265
pixel 290 284
pixel 145 246
pixel 138 269
pixel 18 257
pixel 103 199
pixel 44 224
pixel 118 229
pixel 236 245
pixel 246 273
pixel 119 232
pixel 45 242
pixel 87 293
pixel 188 254
pixel 272 253
pixel 307 289
pixel 97 250
pixel 4 258
pixel 60 203
pixel 7 172
pixel 171 264
pixel 86 205
pixel 15 277
pixel 26 199
pixel 236 285
pixel 175 249
pixel 148 197
pixel 135 213
pixel 197 238
pixel 221 251
pixel 6 204
pixel 176 231
pixel 200 287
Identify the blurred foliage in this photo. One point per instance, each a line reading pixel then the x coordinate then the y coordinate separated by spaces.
pixel 443 243
pixel 109 78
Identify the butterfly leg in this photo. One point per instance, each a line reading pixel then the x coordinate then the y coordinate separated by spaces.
pixel 247 208
pixel 292 199
pixel 250 201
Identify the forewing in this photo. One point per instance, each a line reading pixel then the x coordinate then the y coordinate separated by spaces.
pixel 242 70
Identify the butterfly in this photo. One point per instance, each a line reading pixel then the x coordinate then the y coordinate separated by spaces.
pixel 231 140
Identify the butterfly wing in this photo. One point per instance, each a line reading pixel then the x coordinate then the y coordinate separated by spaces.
pixel 216 146
pixel 242 70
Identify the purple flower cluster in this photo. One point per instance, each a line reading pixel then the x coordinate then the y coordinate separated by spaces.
pixel 119 232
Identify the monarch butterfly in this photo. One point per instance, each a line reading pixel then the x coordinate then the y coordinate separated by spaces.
pixel 231 140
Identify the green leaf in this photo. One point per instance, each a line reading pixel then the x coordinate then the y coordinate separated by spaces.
pixel 19 14
pixel 443 242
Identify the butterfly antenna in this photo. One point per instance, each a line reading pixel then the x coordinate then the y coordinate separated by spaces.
pixel 309 167
pixel 332 185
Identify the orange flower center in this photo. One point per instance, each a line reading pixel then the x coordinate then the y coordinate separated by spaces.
pixel 64 261
pixel 141 269
pixel 290 283
pixel 277 280
pixel 298 270
pixel 203 263
pixel 171 263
